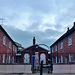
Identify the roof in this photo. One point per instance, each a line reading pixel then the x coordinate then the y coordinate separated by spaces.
pixel 34 48
pixel 1 28
pixel 65 35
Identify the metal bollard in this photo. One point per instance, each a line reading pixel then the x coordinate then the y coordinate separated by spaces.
pixel 41 68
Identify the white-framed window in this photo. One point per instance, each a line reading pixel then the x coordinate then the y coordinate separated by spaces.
pixel 66 59
pixel 55 47
pixel 4 40
pixel 52 49
pixel 13 47
pixel 43 58
pixel 61 58
pixel 26 58
pixel 56 59
pixel 69 40
pixel 10 44
pixel 70 57
pixel 61 44
pixel 3 58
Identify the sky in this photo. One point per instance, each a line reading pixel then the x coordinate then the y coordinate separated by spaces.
pixel 46 20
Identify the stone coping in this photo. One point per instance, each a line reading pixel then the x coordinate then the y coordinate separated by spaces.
pixel 63 63
pixel 14 64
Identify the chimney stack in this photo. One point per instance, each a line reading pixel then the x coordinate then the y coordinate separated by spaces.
pixel 68 29
pixel 34 40
pixel 74 23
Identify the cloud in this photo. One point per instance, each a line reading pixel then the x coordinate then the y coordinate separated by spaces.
pixel 47 20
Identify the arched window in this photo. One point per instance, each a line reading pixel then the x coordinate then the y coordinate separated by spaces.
pixel 43 58
pixel 26 58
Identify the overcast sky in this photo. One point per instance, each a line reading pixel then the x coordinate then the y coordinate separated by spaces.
pixel 47 20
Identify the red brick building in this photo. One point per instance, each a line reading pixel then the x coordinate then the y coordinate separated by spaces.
pixel 8 47
pixel 30 51
pixel 63 50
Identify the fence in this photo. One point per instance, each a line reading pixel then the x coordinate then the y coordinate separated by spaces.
pixel 63 57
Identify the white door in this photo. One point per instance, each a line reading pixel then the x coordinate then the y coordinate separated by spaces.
pixel 3 58
pixel 26 58
pixel 43 58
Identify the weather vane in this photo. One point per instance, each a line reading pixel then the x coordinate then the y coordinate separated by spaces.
pixel 1 20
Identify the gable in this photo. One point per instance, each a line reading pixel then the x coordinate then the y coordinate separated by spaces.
pixel 34 49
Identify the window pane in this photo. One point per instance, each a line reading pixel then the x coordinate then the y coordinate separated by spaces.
pixel 61 44
pixel 56 48
pixel 52 49
pixel 70 57
pixel 69 40
pixel 66 60
pixel 61 59
pixel 56 59
pixel 4 39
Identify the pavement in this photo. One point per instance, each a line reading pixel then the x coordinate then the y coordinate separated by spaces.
pixel 35 74
pixel 25 74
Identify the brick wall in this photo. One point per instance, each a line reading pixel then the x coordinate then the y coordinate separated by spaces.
pixel 31 53
pixel 66 49
pixel 4 49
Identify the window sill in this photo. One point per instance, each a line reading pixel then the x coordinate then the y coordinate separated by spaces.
pixel 69 45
